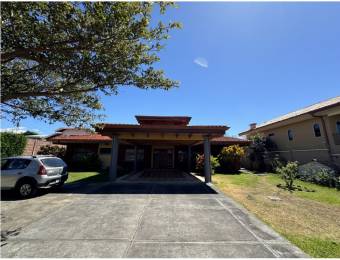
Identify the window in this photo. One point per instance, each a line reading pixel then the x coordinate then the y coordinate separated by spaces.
pixel 4 163
pixel 271 134
pixel 15 164
pixel 317 131
pixel 290 135
pixel 338 127
pixel 129 155
pixel 140 155
pixel 105 151
pixel 53 162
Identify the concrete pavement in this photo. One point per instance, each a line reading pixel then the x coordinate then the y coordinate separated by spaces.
pixel 137 220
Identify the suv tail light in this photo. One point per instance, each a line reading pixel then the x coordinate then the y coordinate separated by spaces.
pixel 42 170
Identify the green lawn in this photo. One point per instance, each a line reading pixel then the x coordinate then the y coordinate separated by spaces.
pixel 310 220
pixel 74 177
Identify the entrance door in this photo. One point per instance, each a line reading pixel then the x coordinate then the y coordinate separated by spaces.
pixel 163 158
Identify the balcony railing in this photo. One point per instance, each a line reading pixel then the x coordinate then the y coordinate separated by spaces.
pixel 336 137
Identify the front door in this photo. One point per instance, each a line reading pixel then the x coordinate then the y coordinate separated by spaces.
pixel 163 158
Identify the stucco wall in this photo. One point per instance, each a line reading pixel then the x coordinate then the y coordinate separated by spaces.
pixel 305 146
pixel 104 158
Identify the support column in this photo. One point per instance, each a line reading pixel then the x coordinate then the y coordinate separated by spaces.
pixel 114 159
pixel 207 165
pixel 189 158
pixel 135 161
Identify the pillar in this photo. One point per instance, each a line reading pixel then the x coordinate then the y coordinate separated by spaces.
pixel 189 158
pixel 114 159
pixel 135 161
pixel 207 165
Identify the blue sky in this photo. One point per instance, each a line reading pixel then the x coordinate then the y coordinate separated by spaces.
pixel 237 63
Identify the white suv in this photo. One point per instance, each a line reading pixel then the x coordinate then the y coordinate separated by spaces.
pixel 27 173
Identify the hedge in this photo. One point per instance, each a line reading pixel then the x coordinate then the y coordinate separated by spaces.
pixel 12 144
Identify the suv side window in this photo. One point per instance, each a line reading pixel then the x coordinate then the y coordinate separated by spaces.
pixel 4 163
pixel 17 164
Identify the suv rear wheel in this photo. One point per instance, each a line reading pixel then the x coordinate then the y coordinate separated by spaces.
pixel 26 188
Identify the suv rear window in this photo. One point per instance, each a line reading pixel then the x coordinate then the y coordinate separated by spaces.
pixel 53 162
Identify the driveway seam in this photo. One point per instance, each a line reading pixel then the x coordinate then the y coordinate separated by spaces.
pixel 249 230
pixel 140 218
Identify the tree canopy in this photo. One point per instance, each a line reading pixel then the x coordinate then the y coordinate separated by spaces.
pixel 58 57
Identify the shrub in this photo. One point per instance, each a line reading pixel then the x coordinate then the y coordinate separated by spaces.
pixel 214 163
pixel 53 149
pixel 12 144
pixel 230 158
pixel 289 173
pixel 318 173
pixel 200 163
pixel 259 155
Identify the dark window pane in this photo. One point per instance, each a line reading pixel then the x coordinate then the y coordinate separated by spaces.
pixel 317 131
pixel 5 163
pixel 53 162
pixel 290 135
pixel 338 127
pixel 105 151
pixel 18 164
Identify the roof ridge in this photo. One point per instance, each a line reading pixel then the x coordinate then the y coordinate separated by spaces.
pixel 297 111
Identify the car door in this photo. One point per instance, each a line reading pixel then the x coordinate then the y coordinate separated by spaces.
pixel 11 171
pixel 6 175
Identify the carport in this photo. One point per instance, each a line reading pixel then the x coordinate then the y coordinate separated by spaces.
pixel 159 142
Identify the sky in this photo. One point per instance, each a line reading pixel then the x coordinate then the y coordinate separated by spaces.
pixel 237 63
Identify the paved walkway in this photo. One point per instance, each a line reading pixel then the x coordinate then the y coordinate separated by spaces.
pixel 136 220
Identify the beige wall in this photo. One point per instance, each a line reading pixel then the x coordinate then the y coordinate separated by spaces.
pixel 104 158
pixel 305 146
pixel 334 146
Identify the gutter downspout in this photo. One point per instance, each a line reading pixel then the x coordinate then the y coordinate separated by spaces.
pixel 326 136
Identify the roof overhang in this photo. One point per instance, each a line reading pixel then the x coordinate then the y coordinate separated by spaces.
pixel 163 120
pixel 331 110
pixel 154 131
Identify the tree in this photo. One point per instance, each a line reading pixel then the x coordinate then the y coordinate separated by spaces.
pixel 58 57
pixel 12 144
pixel 28 132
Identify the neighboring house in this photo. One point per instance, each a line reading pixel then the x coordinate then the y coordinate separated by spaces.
pixel 159 142
pixel 306 134
pixel 34 143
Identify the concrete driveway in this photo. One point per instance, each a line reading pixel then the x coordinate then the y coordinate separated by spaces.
pixel 136 220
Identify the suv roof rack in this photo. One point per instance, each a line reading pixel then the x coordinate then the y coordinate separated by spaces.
pixel 43 155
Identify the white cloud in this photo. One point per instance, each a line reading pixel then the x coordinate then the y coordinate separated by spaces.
pixel 201 62
pixel 19 130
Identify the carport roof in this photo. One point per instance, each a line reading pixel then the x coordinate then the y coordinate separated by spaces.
pixel 111 129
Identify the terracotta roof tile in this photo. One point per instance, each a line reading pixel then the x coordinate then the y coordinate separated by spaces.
pixel 229 139
pixel 81 138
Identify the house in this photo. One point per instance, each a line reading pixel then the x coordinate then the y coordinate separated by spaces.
pixel 306 134
pixel 156 142
pixel 34 143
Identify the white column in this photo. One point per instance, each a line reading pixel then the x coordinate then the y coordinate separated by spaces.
pixel 114 159
pixel 207 165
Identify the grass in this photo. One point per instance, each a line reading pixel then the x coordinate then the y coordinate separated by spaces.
pixel 74 177
pixel 310 220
